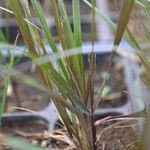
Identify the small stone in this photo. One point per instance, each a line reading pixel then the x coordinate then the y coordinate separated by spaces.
pixel 44 143
pixel 34 142
pixel 118 141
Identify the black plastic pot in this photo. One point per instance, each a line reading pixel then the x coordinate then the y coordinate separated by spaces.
pixel 48 116
pixel 85 27
pixel 11 31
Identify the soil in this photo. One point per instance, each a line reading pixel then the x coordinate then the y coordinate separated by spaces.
pixel 16 130
pixel 115 85
pixel 25 96
pixel 110 136
pixel 117 136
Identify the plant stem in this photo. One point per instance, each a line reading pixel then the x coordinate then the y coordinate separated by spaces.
pixel 93 128
pixel 14 86
pixel 92 65
pixel 93 132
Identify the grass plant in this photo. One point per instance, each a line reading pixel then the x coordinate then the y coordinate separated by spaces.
pixel 71 93
pixel 66 85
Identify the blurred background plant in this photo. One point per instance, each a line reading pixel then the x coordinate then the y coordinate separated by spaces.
pixel 67 85
pixel 137 36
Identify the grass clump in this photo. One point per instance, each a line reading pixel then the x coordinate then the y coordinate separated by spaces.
pixel 71 93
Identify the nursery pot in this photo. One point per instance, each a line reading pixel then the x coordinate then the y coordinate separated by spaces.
pixel 123 106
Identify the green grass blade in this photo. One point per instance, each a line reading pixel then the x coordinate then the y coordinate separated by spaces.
pixel 25 31
pixel 58 23
pixel 31 82
pixel 65 118
pixel 19 15
pixel 66 25
pixel 2 37
pixel 6 85
pixel 101 15
pixel 3 101
pixel 74 61
pixel 113 25
pixel 77 23
pixel 41 17
pixel 48 34
pixel 77 29
pixel 126 10
pixel 92 63
pixel 140 2
pixel 32 28
pixel 65 89
pixel 59 99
